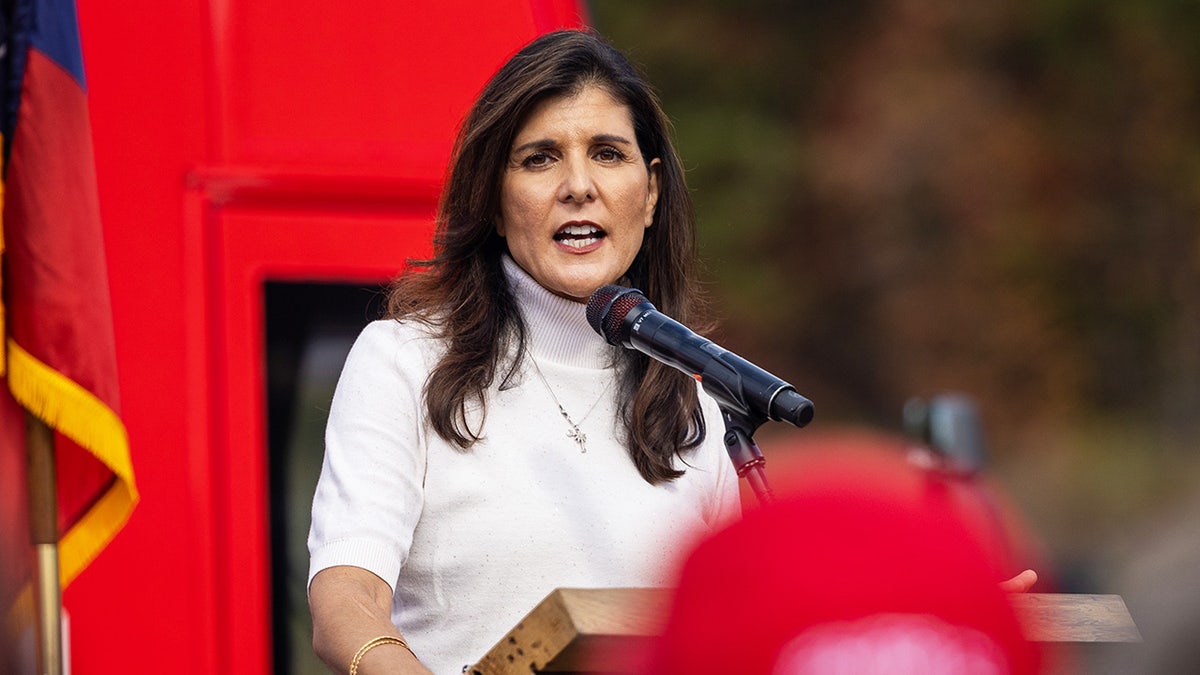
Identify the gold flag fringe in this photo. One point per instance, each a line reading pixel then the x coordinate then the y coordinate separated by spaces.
pixel 79 415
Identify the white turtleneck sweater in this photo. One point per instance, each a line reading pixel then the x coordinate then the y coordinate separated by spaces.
pixel 471 540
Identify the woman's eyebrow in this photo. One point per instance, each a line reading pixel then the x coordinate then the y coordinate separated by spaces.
pixel 611 138
pixel 531 145
pixel 542 143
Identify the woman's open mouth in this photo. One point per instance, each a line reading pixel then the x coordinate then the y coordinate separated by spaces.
pixel 579 235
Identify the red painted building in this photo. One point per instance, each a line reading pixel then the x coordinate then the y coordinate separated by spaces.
pixel 264 167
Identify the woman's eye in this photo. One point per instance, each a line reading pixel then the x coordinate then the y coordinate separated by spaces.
pixel 609 154
pixel 537 159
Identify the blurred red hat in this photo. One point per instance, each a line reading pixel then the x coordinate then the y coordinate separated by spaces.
pixel 852 571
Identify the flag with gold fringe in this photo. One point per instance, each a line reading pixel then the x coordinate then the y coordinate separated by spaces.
pixel 58 358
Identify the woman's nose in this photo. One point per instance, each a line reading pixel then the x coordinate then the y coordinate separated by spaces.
pixel 577 184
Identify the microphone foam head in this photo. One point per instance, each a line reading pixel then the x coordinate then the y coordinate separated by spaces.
pixel 608 307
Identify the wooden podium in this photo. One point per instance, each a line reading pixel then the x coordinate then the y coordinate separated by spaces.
pixel 571 623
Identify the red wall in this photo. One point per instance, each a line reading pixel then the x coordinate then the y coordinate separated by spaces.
pixel 240 140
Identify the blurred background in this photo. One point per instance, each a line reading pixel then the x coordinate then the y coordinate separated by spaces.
pixel 899 198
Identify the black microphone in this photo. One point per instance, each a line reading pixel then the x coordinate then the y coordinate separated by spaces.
pixel 625 318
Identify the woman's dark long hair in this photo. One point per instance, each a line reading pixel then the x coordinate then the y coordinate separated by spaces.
pixel 463 292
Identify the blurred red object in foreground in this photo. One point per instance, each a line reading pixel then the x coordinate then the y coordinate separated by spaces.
pixel 867 563
pixel 885 464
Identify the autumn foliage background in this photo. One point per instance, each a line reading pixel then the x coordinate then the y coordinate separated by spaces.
pixel 904 197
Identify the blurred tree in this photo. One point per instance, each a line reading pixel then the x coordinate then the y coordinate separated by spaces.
pixel 898 197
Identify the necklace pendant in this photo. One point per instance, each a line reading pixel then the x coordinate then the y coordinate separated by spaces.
pixel 577 435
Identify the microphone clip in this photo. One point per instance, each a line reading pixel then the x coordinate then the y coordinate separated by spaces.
pixel 748 460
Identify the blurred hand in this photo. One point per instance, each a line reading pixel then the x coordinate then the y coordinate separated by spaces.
pixel 1020 583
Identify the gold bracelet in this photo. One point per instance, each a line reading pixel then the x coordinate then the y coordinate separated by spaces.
pixel 371 644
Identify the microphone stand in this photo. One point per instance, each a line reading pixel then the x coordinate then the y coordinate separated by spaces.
pixel 748 460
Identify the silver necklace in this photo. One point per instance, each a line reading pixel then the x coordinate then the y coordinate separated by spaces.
pixel 573 432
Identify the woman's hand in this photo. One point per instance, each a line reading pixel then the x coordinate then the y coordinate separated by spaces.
pixel 1020 583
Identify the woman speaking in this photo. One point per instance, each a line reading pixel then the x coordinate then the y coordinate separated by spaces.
pixel 485 446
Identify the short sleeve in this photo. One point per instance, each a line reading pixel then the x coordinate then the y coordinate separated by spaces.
pixel 370 493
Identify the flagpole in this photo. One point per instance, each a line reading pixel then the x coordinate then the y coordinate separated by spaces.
pixel 43 518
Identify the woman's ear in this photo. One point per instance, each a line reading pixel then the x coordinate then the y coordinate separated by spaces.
pixel 655 172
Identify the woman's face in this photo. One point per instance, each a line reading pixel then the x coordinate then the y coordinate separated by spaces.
pixel 576 195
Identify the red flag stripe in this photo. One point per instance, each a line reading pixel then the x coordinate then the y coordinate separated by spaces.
pixel 61 355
